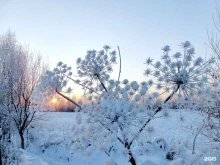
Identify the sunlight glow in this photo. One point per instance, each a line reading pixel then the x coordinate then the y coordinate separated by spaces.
pixel 54 100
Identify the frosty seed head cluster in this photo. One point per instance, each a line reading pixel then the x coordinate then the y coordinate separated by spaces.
pixel 181 71
pixel 56 79
pixel 96 66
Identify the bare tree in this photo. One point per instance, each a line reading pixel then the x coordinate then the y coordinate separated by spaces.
pixel 20 72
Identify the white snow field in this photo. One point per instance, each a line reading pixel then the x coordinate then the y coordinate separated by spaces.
pixel 50 140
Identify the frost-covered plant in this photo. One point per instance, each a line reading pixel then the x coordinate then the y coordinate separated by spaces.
pixel 8 150
pixel 96 66
pixel 60 73
pixel 210 107
pixel 120 116
pixel 114 119
pixel 186 75
pixel 54 80
pixel 181 72
pixel 181 154
pixel 95 69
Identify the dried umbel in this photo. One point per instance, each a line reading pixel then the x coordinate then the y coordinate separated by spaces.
pixel 96 67
pixel 181 72
pixel 55 80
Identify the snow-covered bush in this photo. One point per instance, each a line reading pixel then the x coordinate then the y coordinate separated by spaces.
pixel 211 129
pixel 114 120
pixel 9 154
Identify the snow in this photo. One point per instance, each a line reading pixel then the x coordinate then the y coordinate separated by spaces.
pixel 53 135
pixel 29 159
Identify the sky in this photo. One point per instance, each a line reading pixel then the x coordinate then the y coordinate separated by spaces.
pixel 63 30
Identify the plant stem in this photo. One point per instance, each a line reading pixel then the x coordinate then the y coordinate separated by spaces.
pixel 155 112
pixel 81 84
pixel 120 64
pixel 101 83
pixel 194 141
pixel 69 99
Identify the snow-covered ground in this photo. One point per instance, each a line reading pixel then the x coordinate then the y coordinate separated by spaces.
pixel 50 139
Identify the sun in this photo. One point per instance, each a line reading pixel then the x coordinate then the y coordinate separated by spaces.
pixel 54 100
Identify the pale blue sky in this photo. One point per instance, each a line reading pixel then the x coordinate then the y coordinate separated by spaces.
pixel 65 29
